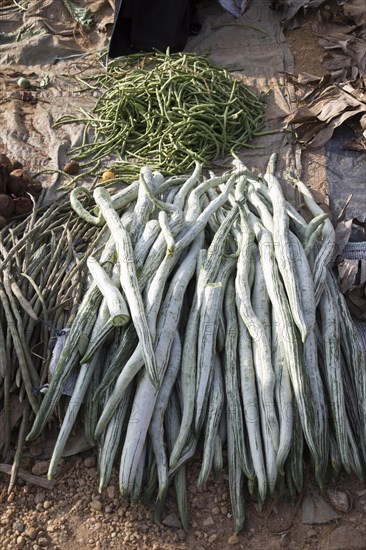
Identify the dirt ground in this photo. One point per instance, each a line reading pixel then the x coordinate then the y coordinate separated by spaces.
pixel 73 516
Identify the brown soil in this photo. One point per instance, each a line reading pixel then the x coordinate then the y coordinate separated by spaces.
pixel 73 516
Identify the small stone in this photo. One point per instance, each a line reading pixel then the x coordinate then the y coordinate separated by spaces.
pixel 47 504
pixel 224 510
pixel 40 468
pixel 215 511
pixel 311 533
pixel 35 450
pixel 18 526
pixel 339 500
pixel 121 512
pixel 233 540
pixel 208 522
pixel 212 538
pixel 96 505
pixel 182 535
pixel 11 497
pixel 43 542
pixel 39 498
pixel 31 532
pixel 171 520
pixel 20 542
pixel 89 462
pixel 345 537
pixel 39 507
pixel 108 509
pixel 111 492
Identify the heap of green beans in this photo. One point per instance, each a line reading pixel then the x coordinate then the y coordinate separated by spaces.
pixel 166 111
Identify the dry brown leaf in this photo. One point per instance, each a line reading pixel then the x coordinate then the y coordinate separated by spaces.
pixel 324 106
pixel 355 9
pixel 292 7
pixel 342 234
pixel 363 272
pixel 356 300
pixel 348 270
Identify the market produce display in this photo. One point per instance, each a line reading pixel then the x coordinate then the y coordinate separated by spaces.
pixel 166 111
pixel 210 320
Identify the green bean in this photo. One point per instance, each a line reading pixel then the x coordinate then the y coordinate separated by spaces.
pixel 160 106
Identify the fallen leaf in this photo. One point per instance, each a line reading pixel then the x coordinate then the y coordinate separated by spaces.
pixel 355 9
pixel 324 106
pixel 316 510
pixel 342 234
pixel 363 272
pixel 347 270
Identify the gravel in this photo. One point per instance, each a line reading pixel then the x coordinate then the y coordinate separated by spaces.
pixel 74 516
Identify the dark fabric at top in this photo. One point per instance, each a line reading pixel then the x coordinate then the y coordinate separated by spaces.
pixel 146 25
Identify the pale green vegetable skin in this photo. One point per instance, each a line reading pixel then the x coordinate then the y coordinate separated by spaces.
pixel 233 345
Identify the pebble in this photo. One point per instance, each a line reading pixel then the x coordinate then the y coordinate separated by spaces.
pixel 108 509
pixel 40 468
pixel 215 511
pixel 32 533
pixel 40 497
pixel 43 542
pixel 208 522
pixel 339 500
pixel 345 537
pixel 212 538
pixel 171 520
pixel 18 526
pixel 233 540
pixel 96 505
pixel 35 450
pixel 89 462
pixel 311 533
pixel 224 510
pixel 20 542
pixel 111 492
pixel 181 534
pixel 47 504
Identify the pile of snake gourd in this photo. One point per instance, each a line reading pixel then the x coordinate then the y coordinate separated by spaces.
pixel 210 329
